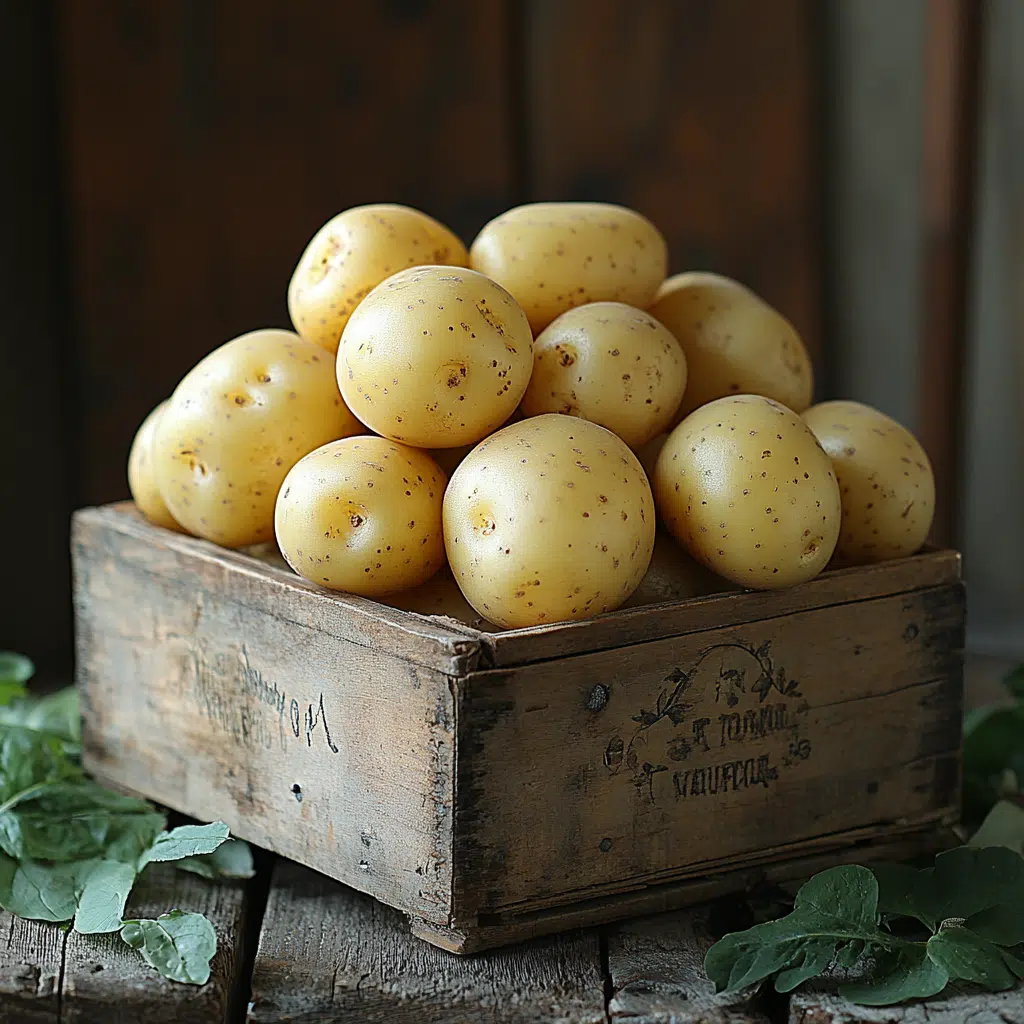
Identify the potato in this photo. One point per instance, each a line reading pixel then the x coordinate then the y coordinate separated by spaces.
pixel 611 364
pixel 440 595
pixel 553 256
pixel 648 454
pixel 735 343
pixel 743 483
pixel 364 515
pixel 885 481
pixel 674 576
pixel 549 519
pixel 435 357
pixel 141 481
pixel 236 424
pixel 351 254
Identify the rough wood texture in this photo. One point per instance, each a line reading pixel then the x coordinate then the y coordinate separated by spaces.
pixel 821 1006
pixel 666 758
pixel 257 714
pixel 49 976
pixel 492 805
pixel 328 954
pixel 701 115
pixel 656 968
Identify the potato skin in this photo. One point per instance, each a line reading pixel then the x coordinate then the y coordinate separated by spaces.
pixel 351 254
pixel 141 481
pixel 363 515
pixel 435 357
pixel 235 425
pixel 611 364
pixel 885 481
pixel 744 484
pixel 440 595
pixel 735 343
pixel 674 575
pixel 553 256
pixel 548 519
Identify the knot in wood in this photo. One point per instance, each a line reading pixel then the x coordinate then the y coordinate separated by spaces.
pixel 598 697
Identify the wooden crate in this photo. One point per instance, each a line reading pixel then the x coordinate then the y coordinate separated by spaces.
pixel 495 786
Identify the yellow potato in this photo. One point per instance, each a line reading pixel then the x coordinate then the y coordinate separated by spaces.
pixel 611 364
pixel 549 519
pixel 141 481
pixel 553 256
pixel 364 515
pixel 351 254
pixel 735 343
pixel 744 484
pixel 648 454
pixel 236 424
pixel 435 357
pixel 440 595
pixel 674 576
pixel 885 481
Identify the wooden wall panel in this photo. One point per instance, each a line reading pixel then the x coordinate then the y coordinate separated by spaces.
pixel 210 138
pixel 704 116
pixel 37 453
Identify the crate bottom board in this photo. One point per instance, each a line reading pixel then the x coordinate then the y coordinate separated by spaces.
pixel 507 929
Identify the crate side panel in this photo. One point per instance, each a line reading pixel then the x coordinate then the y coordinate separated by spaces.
pixel 592 774
pixel 320 749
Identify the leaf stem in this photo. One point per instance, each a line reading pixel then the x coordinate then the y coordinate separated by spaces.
pixel 25 794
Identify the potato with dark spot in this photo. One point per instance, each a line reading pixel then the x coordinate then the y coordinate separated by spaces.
pixel 141 481
pixel 674 575
pixel 351 254
pixel 363 515
pixel 885 481
pixel 611 364
pixel 435 357
pixel 240 419
pixel 735 343
pixel 744 484
pixel 554 256
pixel 548 519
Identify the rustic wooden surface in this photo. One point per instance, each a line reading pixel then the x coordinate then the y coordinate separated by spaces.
pixel 52 976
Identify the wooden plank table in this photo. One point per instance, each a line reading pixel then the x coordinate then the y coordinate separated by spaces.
pixel 326 953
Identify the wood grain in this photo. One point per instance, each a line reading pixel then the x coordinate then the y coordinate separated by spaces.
pixel 656 967
pixel 210 140
pixel 327 954
pixel 225 708
pixel 630 744
pixel 702 116
pixel 49 976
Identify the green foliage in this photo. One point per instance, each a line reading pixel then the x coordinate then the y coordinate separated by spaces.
pixel 71 850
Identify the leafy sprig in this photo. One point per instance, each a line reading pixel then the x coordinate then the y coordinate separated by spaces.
pixel 71 851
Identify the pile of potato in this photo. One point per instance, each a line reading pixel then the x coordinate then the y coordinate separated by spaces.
pixel 494 434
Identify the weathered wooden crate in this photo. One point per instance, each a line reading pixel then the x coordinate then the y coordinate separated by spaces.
pixel 500 785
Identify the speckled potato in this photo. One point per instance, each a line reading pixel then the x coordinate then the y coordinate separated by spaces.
pixel 648 454
pixel 735 343
pixel 553 256
pixel 548 519
pixel 141 482
pixel 351 254
pixel 364 515
pixel 236 424
pixel 674 575
pixel 744 484
pixel 435 357
pixel 885 481
pixel 611 364
pixel 440 595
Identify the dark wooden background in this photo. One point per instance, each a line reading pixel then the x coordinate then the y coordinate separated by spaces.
pixel 166 161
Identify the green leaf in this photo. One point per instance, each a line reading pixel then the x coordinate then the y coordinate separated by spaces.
pixel 103 896
pixel 910 974
pixel 1004 826
pixel 1013 961
pixel 834 910
pixel 15 671
pixel 185 841
pixel 904 892
pixel 993 745
pixel 967 956
pixel 1014 682
pixel 232 859
pixel 56 715
pixel 180 946
pixel 41 892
